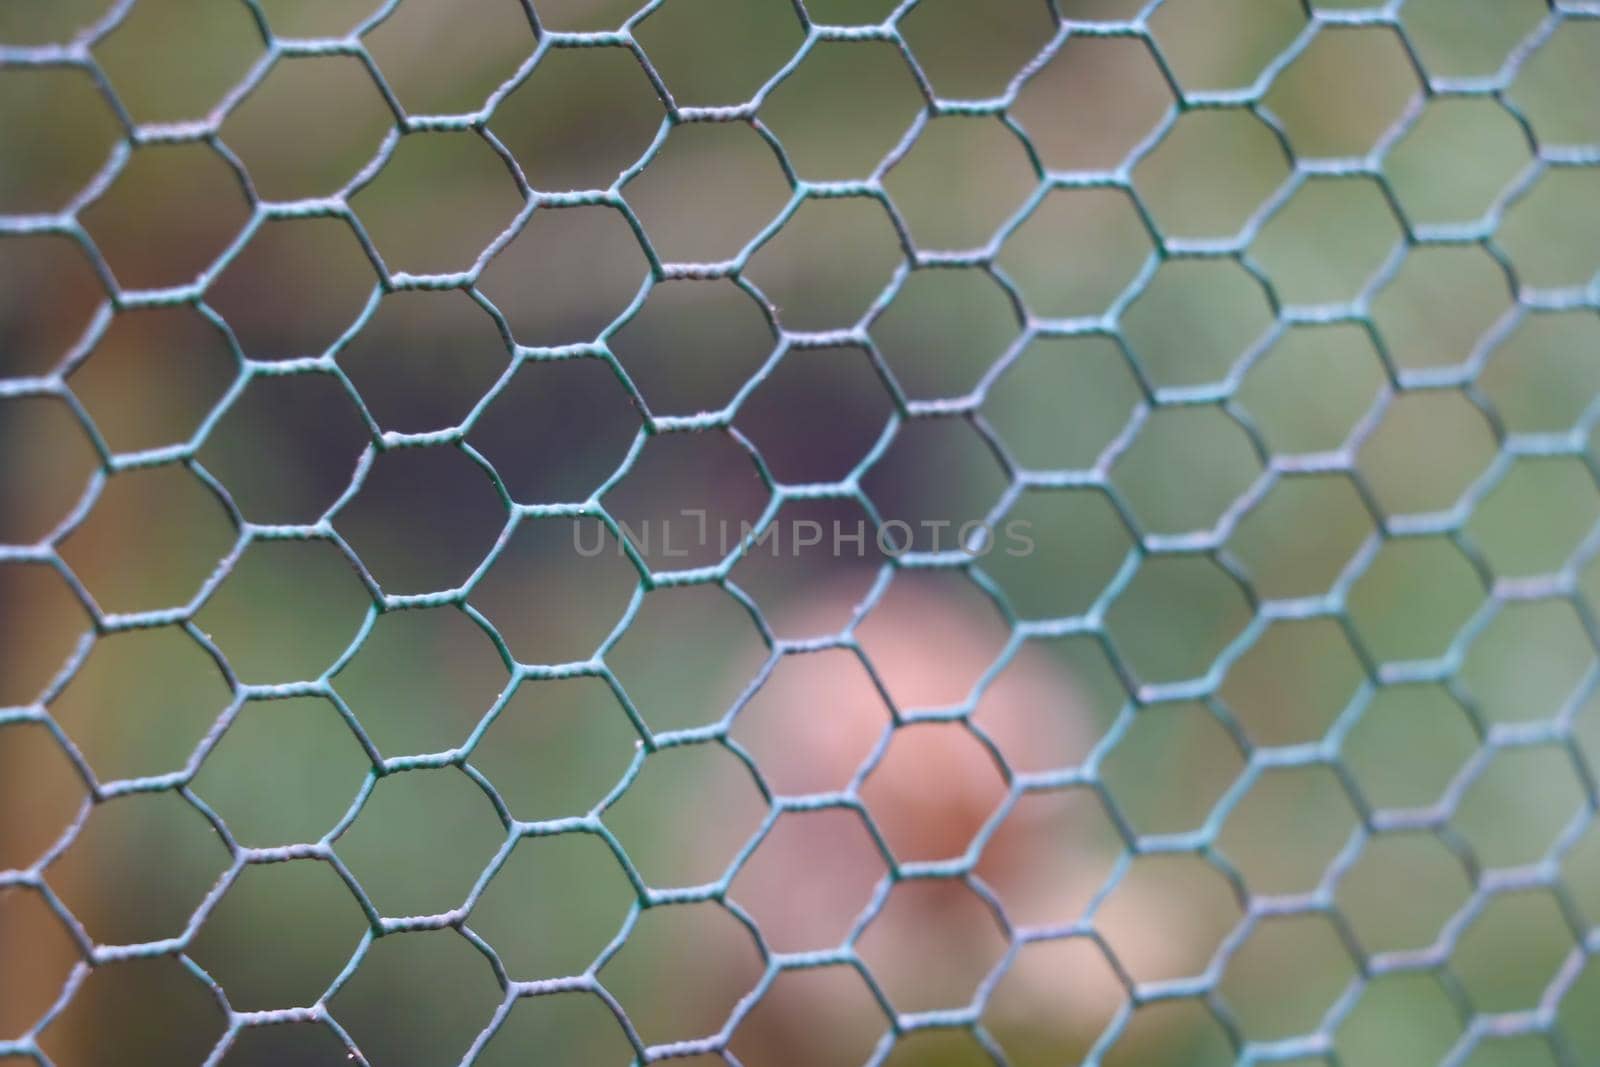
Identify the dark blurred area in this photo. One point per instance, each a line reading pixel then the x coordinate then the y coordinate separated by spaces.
pixel 323 736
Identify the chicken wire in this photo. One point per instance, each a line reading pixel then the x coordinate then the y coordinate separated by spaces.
pixel 1480 1026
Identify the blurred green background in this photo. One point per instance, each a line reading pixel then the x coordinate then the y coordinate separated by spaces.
pixel 1307 627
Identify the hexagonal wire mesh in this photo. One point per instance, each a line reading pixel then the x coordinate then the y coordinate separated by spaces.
pixel 795 532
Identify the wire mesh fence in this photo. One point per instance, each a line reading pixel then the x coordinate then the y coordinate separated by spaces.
pixel 781 532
